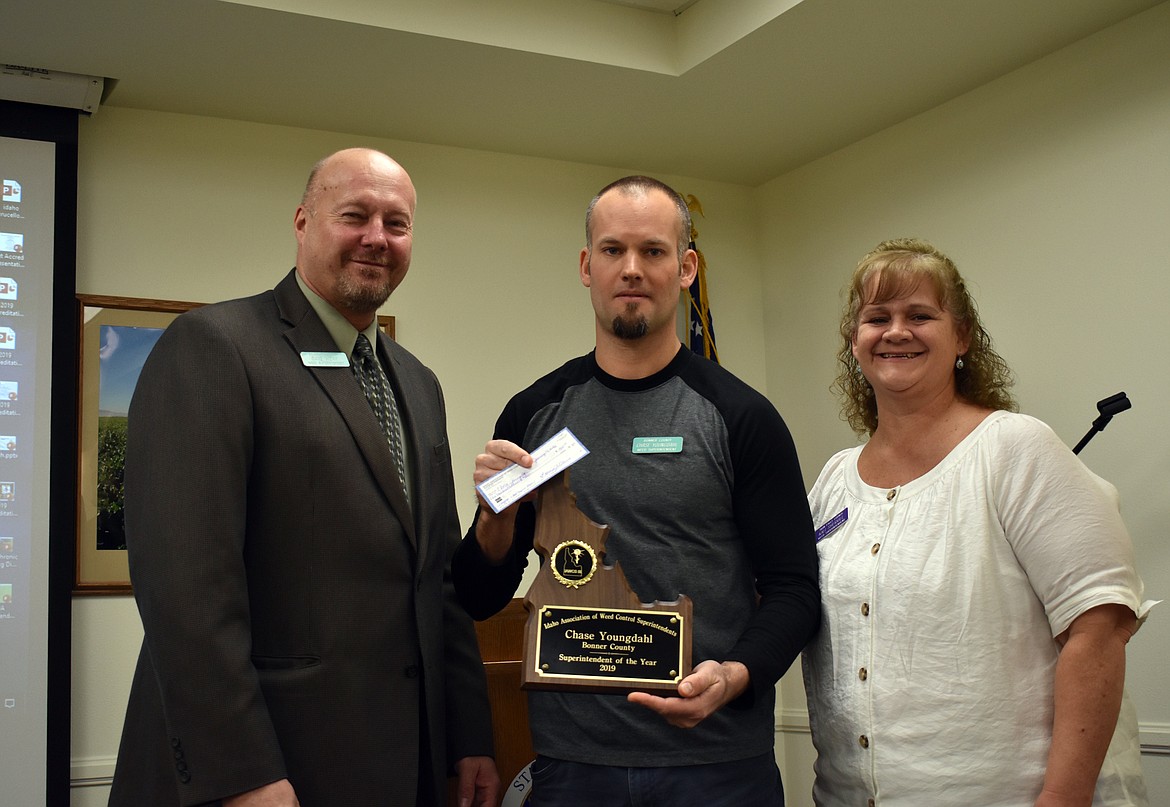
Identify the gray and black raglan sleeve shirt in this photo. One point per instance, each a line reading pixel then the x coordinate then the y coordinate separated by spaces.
pixel 724 521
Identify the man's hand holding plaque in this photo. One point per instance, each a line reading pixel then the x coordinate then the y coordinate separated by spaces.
pixel 709 687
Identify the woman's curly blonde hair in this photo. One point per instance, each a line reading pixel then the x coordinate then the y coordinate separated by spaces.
pixel 899 266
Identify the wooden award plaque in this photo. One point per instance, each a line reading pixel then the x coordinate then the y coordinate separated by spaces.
pixel 587 630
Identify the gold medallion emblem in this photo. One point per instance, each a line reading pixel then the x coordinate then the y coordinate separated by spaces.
pixel 573 563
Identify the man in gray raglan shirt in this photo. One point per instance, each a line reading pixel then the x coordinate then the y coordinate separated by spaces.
pixel 724 521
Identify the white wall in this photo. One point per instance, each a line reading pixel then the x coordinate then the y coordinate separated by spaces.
pixel 199 209
pixel 1050 188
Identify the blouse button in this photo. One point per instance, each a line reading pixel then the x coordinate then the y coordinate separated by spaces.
pixel 862 674
pixel 863 741
pixel 873 550
pixel 871 803
pixel 865 609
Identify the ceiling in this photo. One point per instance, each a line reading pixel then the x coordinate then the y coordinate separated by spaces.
pixel 731 90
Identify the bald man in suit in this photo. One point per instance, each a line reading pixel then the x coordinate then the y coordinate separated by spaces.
pixel 290 557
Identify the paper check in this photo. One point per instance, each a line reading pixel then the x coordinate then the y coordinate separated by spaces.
pixel 515 481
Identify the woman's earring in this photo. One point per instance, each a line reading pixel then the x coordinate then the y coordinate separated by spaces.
pixel 959 363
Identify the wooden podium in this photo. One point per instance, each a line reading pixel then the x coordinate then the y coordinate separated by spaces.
pixel 501 639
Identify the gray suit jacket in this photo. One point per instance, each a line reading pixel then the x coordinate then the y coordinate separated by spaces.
pixel 298 613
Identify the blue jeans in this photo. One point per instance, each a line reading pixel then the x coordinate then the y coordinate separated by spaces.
pixel 753 782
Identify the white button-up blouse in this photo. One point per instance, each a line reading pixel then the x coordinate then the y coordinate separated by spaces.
pixel 931 680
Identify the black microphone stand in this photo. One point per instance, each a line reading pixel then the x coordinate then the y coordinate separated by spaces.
pixel 1108 408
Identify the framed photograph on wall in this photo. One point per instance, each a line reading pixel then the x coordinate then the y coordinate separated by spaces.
pixel 117 334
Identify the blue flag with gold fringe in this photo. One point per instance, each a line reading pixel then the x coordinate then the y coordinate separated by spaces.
pixel 700 326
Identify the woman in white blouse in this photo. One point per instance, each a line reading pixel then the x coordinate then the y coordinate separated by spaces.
pixel 978 584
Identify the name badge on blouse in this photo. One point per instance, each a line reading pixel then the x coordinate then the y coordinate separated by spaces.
pixel 832 525
pixel 314 358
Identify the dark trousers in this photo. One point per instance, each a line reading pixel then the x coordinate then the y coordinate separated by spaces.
pixel 753 782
